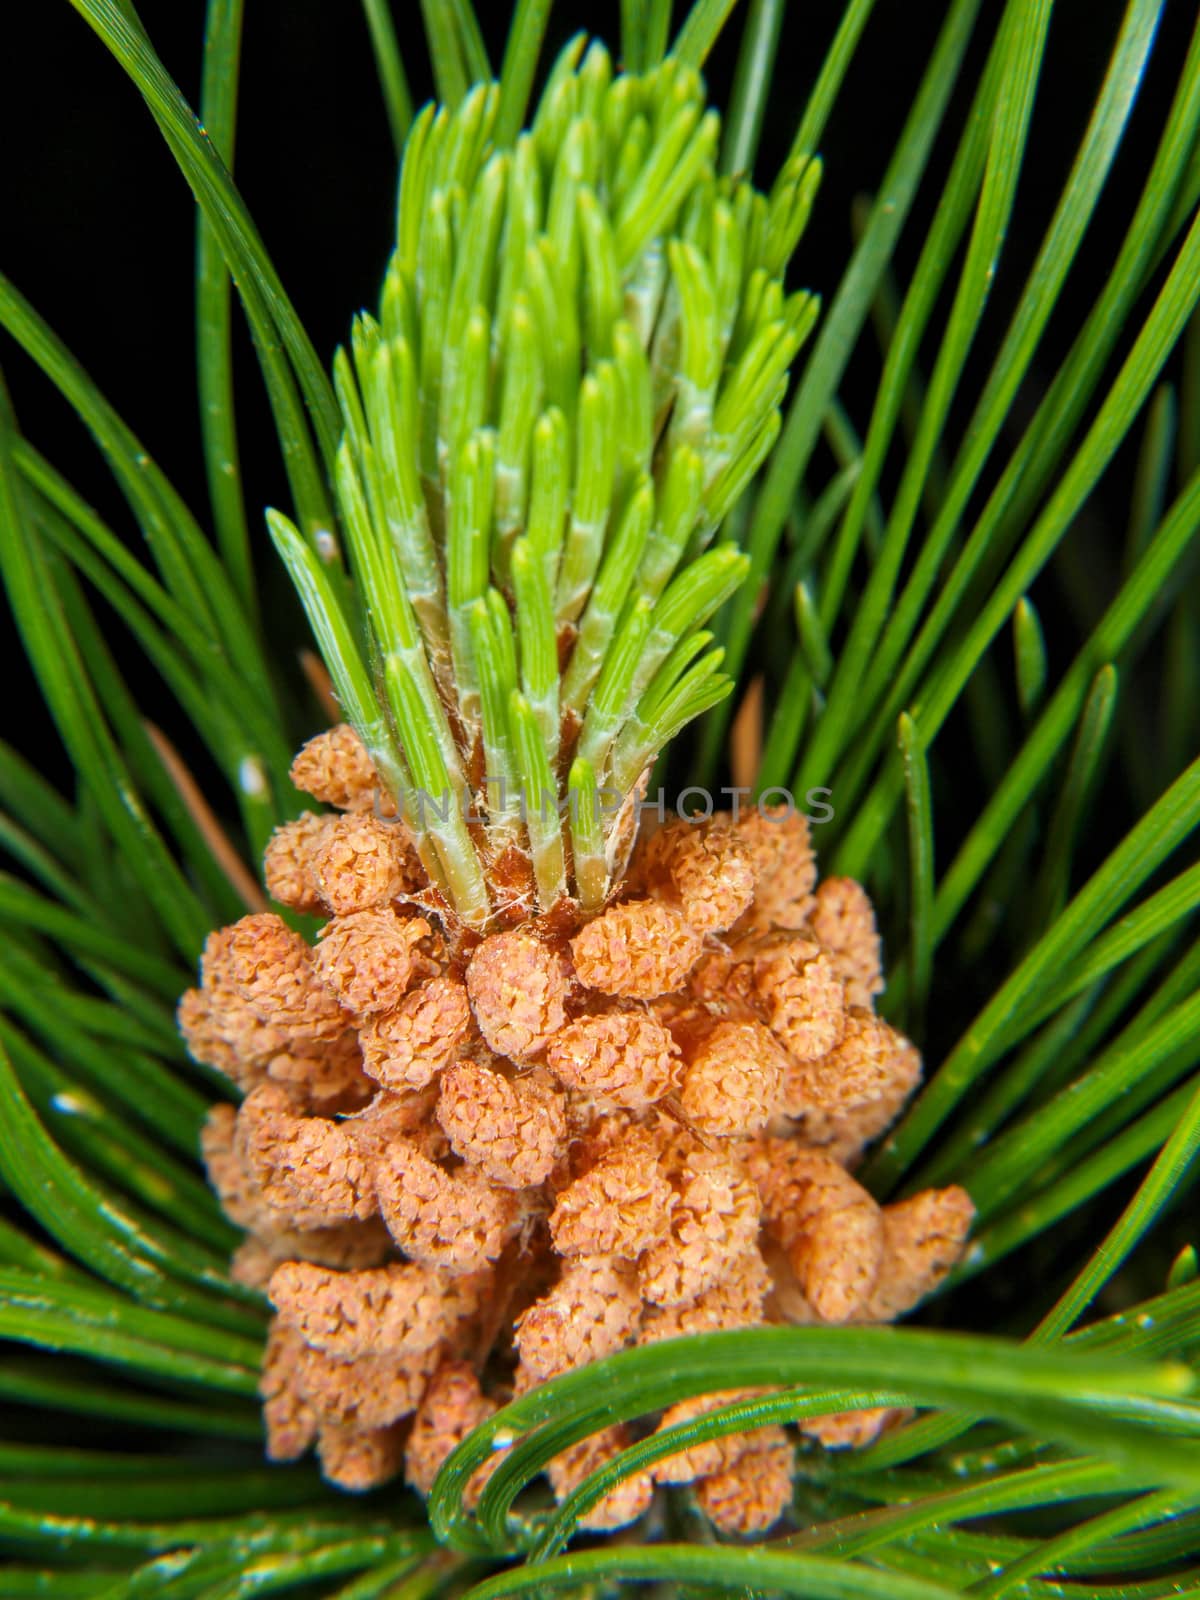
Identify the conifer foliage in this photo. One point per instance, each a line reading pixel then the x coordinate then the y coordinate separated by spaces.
pixel 678 1132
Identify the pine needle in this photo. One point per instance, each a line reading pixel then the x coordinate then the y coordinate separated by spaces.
pixel 223 849
pixel 746 736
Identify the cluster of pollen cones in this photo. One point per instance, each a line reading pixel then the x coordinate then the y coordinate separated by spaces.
pixel 467 1165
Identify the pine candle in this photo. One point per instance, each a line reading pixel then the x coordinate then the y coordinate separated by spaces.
pixel 542 1090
